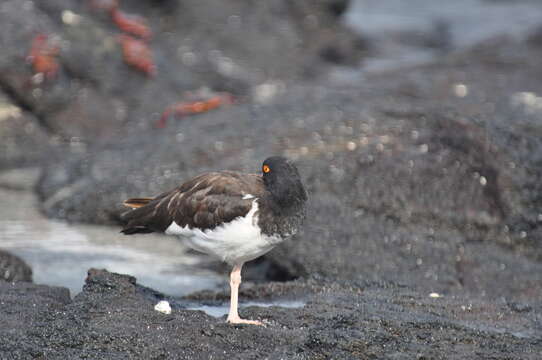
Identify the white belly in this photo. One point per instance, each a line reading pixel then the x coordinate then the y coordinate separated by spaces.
pixel 235 242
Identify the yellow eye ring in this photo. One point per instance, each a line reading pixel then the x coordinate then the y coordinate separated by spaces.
pixel 266 169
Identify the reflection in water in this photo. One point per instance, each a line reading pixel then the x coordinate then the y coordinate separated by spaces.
pixel 60 254
pixel 221 310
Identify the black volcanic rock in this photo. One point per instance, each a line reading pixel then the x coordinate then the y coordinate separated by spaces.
pixel 23 142
pixel 13 268
pixel 230 46
pixel 113 318
pixel 410 179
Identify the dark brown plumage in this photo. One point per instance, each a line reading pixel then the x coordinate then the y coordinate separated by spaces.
pixel 203 202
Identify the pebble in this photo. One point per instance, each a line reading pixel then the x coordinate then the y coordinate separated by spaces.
pixel 163 307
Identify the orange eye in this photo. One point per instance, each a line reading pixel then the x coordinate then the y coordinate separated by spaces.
pixel 266 169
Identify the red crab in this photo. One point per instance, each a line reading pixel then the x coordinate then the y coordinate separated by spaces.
pixel 137 54
pixel 131 24
pixel 195 107
pixel 43 56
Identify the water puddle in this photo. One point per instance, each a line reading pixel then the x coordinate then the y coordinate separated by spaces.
pixel 60 254
pixel 223 309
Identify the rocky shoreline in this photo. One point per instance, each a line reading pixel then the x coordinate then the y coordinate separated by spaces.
pixel 442 191
pixel 114 318
pixel 423 234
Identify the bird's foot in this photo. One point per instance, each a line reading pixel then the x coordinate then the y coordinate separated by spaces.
pixel 238 320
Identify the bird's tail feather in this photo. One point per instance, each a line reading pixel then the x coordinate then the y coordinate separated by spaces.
pixel 135 203
pixel 136 218
pixel 136 230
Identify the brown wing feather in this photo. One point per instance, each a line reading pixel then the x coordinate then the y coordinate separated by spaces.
pixel 205 202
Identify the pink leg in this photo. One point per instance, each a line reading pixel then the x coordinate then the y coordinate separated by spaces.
pixel 235 280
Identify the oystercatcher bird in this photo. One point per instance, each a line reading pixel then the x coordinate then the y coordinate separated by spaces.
pixel 234 216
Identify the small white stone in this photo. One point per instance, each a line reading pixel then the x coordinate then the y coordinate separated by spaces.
pixel 434 295
pixel 424 148
pixel 460 90
pixel 70 18
pixel 267 91
pixel 351 146
pixel 37 78
pixel 9 111
pixel 163 307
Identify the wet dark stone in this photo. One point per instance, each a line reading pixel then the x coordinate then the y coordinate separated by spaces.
pixel 112 318
pixel 13 268
pixel 337 7
pixel 535 37
pixel 519 307
pixel 23 142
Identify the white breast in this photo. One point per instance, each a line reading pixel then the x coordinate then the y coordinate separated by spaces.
pixel 238 241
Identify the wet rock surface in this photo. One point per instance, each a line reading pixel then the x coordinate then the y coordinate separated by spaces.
pixel 114 318
pixel 23 142
pixel 13 268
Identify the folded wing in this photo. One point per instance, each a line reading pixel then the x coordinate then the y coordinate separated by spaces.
pixel 203 202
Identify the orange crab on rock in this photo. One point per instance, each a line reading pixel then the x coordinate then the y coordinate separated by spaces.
pixel 43 56
pixel 137 54
pixel 195 107
pixel 131 24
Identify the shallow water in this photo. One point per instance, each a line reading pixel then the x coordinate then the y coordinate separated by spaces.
pixel 398 28
pixel 60 253
pixel 223 309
